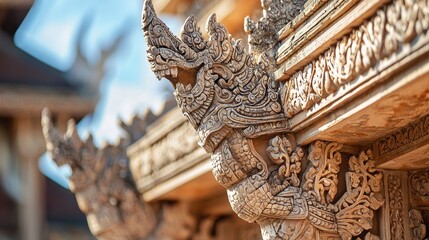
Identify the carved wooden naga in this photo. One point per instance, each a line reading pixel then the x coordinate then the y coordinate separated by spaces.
pixel 233 102
pixel 101 181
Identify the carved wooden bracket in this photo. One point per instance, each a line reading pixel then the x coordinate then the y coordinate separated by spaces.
pixel 234 104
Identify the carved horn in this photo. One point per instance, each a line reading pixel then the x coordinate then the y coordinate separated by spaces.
pixel 62 149
pixel 192 36
pixel 158 35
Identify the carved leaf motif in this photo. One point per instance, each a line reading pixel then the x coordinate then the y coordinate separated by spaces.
pixel 280 151
pixel 320 178
pixel 419 182
pixel 356 206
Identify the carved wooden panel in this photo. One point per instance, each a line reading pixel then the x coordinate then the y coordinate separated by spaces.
pixel 419 189
pixel 392 30
pixel 406 148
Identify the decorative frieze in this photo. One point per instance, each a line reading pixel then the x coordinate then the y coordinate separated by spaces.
pixel 168 149
pixel 405 136
pixel 388 32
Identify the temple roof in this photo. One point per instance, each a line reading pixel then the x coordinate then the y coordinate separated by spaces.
pixel 18 68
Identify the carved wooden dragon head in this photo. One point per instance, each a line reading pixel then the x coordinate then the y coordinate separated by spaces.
pixel 218 85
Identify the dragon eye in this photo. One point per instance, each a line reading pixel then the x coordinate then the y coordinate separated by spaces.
pixel 189 98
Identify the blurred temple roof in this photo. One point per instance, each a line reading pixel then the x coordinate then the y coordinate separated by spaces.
pixel 27 85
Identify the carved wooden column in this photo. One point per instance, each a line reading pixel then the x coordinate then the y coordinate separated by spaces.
pixel 29 148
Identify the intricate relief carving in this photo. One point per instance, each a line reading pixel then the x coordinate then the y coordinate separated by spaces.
pixel 165 151
pixel 362 197
pixel 396 206
pixel 404 136
pixel 276 14
pixel 321 176
pixel 381 36
pixel 234 105
pixel 101 182
pixel 417 225
pixel 419 182
pixel 280 152
pixel 419 188
pixel 218 85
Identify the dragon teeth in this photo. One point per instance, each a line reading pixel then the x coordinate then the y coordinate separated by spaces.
pixel 174 72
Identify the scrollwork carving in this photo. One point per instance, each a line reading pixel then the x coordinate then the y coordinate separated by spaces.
pixel 321 176
pixel 419 188
pixel 396 205
pixel 406 135
pixel 393 26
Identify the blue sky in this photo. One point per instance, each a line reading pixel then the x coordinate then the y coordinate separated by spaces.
pixel 49 33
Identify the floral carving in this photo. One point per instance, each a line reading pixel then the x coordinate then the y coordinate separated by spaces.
pixel 404 136
pixel 396 205
pixel 419 183
pixel 381 36
pixel 280 151
pixel 321 176
pixel 362 197
pixel 419 188
pixel 233 102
